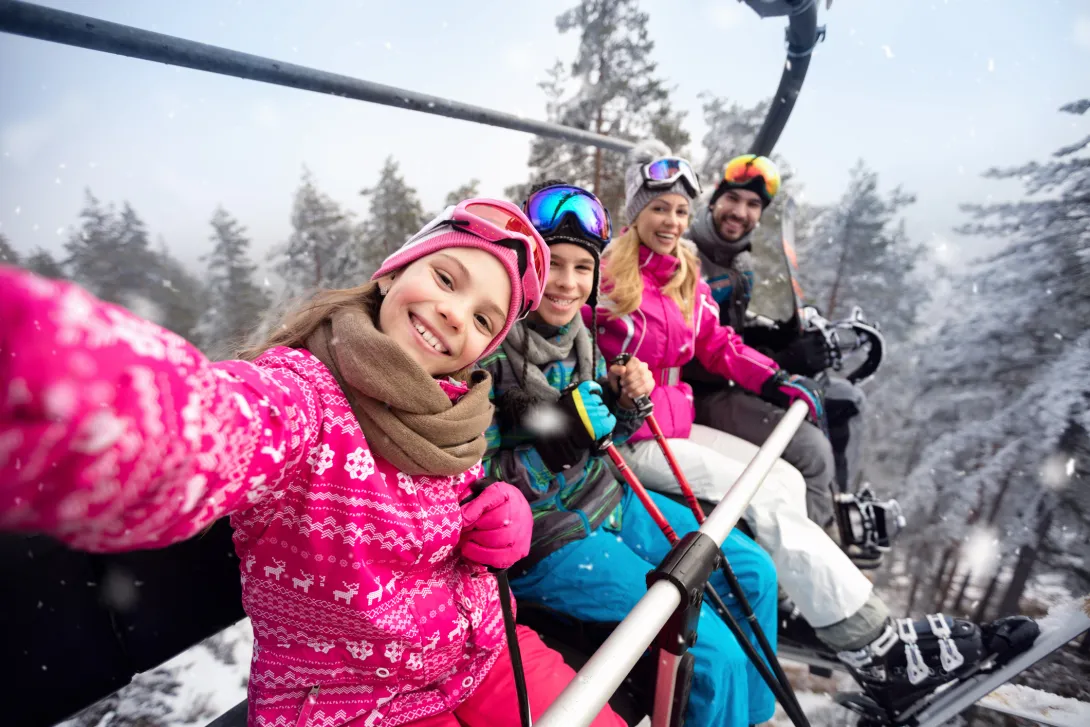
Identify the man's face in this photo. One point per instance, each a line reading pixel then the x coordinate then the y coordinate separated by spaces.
pixel 736 213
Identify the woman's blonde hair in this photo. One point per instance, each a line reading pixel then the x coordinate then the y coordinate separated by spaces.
pixel 623 284
pixel 304 318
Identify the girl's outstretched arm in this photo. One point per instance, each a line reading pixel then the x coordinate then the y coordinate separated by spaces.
pixel 116 434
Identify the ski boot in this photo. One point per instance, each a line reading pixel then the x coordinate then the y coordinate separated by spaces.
pixel 866 526
pixel 901 668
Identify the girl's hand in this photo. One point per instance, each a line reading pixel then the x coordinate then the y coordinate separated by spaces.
pixel 496 526
pixel 634 381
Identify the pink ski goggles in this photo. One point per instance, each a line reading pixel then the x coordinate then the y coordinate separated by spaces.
pixel 504 224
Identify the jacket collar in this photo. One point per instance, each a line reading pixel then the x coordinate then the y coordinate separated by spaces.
pixel 659 267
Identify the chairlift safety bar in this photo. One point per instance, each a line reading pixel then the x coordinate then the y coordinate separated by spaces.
pixel 584 697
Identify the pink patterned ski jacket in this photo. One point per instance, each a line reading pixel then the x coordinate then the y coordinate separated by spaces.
pixel 117 435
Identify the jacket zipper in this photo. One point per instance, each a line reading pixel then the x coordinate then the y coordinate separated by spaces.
pixel 308 706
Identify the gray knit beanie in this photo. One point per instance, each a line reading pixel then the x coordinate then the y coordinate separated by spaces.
pixel 636 195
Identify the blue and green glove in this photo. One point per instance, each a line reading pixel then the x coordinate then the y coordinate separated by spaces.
pixel 584 420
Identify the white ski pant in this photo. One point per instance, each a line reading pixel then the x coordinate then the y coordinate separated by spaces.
pixel 812 569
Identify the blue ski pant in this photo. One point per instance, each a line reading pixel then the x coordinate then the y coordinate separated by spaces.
pixel 601 577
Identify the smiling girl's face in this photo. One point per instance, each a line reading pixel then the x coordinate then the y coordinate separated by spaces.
pixel 444 309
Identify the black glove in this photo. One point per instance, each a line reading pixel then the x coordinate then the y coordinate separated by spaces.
pixel 558 432
pixel 782 389
pixel 807 355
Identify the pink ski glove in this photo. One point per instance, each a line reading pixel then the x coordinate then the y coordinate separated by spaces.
pixel 496 526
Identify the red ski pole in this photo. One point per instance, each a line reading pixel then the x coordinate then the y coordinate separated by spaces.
pixel 787 696
pixel 683 483
pixel 633 481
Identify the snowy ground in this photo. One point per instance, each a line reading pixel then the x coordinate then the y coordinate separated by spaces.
pixel 209 679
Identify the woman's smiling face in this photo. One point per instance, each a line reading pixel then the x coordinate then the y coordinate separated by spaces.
pixel 661 223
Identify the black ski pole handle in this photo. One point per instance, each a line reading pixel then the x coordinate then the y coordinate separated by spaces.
pixel 643 404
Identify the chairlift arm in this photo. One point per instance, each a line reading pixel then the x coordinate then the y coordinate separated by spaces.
pixel 803 35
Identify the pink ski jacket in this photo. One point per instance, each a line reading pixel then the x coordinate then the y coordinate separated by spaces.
pixel 117 435
pixel 658 335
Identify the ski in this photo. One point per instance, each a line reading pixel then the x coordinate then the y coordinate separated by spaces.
pixel 945 704
pixel 986 687
pixel 787 239
pixel 1038 706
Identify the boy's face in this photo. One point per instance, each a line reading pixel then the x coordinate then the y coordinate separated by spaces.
pixel 570 283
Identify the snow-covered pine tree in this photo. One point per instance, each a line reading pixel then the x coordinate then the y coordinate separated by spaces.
pixel 323 249
pixel 234 301
pixel 135 264
pixel 732 128
pixel 860 254
pixel 469 190
pixel 613 88
pixel 1006 399
pixel 176 295
pixel 94 250
pixel 8 256
pixel 42 262
pixel 395 215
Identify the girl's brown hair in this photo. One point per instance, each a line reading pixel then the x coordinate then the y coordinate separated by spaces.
pixel 304 319
pixel 623 284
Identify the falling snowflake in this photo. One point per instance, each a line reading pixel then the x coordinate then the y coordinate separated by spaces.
pixel 981 550
pixel 360 464
pixel 544 420
pixel 1057 471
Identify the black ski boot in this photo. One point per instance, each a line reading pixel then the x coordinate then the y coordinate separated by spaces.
pixel 911 659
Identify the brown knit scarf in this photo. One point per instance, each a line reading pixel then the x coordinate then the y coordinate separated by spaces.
pixel 407 418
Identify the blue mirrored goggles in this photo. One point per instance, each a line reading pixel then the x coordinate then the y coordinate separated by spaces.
pixel 549 208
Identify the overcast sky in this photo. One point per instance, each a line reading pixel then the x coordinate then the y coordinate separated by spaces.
pixel 929 92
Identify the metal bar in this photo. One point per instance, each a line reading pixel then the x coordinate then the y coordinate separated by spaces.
pixel 727 513
pixel 81 31
pixel 584 697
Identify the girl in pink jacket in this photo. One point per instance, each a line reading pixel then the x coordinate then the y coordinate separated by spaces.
pixel 346 450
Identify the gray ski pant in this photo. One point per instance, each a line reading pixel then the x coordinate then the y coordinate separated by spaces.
pixel 735 411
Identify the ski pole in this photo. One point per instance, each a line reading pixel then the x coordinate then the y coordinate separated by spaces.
pixel 728 572
pixel 790 704
pixel 513 647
